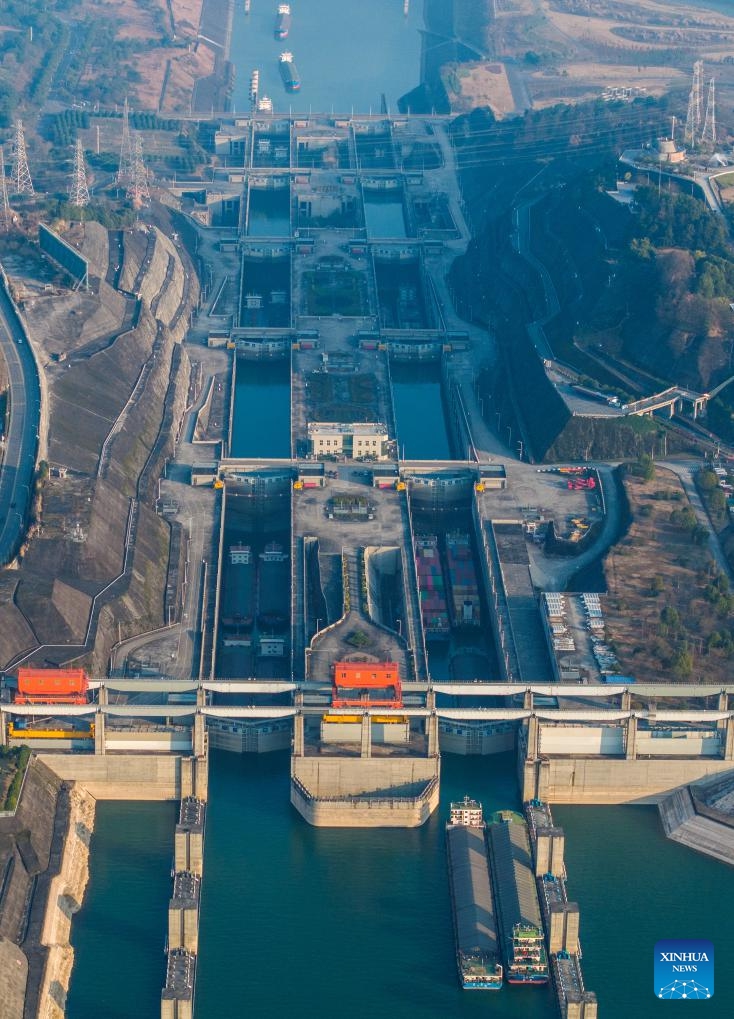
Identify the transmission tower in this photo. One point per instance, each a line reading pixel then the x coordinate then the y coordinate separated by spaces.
pixel 137 190
pixel 695 104
pixel 6 216
pixel 21 175
pixel 127 155
pixel 709 126
pixel 79 192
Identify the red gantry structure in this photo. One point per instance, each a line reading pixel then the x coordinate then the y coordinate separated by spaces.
pixel 52 686
pixel 366 685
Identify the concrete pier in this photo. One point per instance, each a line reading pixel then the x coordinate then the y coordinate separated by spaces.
pixel 183 912
pixel 562 918
pixel 189 839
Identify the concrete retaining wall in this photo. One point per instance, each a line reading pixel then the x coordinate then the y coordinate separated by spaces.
pixel 336 777
pixel 65 896
pixel 361 813
pixel 108 777
pixel 609 780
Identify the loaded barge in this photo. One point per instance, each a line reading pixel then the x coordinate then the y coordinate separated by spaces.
pixel 434 613
pixel 523 938
pixel 561 916
pixel 475 926
pixel 289 72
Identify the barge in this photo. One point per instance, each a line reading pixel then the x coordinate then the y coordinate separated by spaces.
pixel 282 21
pixel 462 580
pixel 289 72
pixel 434 613
pixel 475 926
pixel 523 937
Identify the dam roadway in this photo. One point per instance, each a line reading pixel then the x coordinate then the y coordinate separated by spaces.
pixel 19 445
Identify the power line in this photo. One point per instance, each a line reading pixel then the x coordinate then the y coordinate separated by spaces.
pixel 79 192
pixel 137 190
pixel 695 103
pixel 125 169
pixel 709 127
pixel 20 174
pixel 6 215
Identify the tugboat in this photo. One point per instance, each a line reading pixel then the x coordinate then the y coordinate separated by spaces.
pixel 289 72
pixel 282 21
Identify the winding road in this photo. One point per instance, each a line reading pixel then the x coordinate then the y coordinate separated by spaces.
pixel 19 446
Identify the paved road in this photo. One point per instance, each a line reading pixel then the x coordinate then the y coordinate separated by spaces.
pixel 19 451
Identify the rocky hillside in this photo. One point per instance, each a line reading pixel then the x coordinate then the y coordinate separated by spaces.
pixel 116 380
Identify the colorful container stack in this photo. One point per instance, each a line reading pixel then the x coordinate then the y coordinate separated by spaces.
pixel 462 578
pixel 434 612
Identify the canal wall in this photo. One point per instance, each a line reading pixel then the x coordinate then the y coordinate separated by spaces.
pixel 610 780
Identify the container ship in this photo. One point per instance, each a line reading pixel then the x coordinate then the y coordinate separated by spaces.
pixel 462 580
pixel 523 937
pixel 282 21
pixel 434 613
pixel 289 72
pixel 475 925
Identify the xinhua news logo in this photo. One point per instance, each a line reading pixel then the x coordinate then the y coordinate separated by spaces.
pixel 684 970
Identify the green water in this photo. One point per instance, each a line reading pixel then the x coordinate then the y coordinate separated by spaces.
pixel 119 936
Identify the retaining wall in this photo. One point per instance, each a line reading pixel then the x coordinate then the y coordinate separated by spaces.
pixel 610 780
pixel 109 777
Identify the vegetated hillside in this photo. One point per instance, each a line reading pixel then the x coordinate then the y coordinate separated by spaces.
pixel 669 612
pixel 644 298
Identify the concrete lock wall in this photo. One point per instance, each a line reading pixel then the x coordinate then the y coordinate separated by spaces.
pixel 106 777
pixel 606 780
pixel 343 776
pixel 402 793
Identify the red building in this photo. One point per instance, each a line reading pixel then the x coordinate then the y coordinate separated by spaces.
pixel 366 684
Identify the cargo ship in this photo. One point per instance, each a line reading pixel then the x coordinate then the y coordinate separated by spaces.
pixel 289 72
pixel 282 21
pixel 462 580
pixel 523 936
pixel 475 926
pixel 434 613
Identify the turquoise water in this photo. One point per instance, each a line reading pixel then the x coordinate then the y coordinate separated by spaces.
pixel 347 54
pixel 419 413
pixel 384 218
pixel 119 935
pixel 262 408
pixel 322 923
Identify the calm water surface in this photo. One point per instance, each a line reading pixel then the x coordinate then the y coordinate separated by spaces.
pixel 348 54
pixel 262 407
pixel 119 935
pixel 419 413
